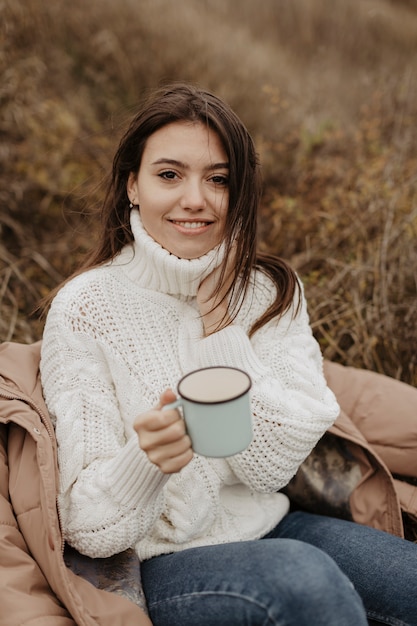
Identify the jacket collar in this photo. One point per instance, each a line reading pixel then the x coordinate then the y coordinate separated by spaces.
pixel 20 380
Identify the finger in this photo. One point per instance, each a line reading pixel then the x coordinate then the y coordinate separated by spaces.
pixel 175 464
pixel 167 397
pixel 156 419
pixel 150 439
pixel 163 454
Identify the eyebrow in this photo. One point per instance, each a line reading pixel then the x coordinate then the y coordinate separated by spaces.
pixel 213 166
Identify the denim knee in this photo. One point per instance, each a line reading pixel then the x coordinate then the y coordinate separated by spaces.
pixel 305 582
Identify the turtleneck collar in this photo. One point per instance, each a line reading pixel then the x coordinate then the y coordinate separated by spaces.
pixel 152 267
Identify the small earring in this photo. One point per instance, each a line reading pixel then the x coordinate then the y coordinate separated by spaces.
pixel 130 205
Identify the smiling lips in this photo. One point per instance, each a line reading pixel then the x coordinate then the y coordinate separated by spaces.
pixel 190 225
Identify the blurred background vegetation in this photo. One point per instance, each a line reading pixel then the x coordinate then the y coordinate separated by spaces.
pixel 328 89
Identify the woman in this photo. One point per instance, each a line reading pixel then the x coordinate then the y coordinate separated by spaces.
pixel 176 284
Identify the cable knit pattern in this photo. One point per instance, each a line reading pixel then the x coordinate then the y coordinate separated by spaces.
pixel 115 338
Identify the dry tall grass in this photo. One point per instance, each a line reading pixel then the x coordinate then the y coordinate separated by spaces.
pixel 327 87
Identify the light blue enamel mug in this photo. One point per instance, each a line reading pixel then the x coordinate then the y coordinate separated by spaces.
pixel 216 408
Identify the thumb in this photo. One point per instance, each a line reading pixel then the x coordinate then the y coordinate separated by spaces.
pixel 167 397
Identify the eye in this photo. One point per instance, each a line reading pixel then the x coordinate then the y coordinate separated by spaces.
pixel 168 175
pixel 220 179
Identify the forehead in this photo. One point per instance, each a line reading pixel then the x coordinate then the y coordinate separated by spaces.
pixel 182 138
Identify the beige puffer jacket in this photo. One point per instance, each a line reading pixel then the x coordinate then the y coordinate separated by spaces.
pixel 36 587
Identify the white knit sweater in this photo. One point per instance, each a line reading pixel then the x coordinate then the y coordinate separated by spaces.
pixel 119 335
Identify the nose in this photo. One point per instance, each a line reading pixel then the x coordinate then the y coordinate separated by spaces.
pixel 193 197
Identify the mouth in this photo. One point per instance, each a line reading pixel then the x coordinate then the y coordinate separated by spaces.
pixel 190 225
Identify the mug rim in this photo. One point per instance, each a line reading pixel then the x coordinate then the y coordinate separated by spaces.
pixel 215 367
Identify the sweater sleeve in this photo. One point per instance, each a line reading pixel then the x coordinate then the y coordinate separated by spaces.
pixel 292 405
pixel 110 494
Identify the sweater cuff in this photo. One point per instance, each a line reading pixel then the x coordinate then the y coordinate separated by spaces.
pixel 231 346
pixel 133 479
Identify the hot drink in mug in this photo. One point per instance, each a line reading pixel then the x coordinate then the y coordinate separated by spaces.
pixel 216 408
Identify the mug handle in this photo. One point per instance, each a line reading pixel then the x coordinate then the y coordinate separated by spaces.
pixel 172 405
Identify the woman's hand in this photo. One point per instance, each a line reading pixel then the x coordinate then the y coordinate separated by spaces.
pixel 163 437
pixel 214 309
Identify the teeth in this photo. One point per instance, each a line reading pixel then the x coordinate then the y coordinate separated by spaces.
pixel 190 224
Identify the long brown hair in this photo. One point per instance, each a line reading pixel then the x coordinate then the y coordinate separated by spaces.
pixel 184 102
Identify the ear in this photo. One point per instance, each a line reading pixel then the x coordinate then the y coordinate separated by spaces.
pixel 132 188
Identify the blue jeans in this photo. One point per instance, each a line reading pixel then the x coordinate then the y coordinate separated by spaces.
pixel 287 579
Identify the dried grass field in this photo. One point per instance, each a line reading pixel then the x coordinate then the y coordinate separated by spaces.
pixel 328 89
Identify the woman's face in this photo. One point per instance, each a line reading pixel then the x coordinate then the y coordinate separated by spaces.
pixel 182 188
